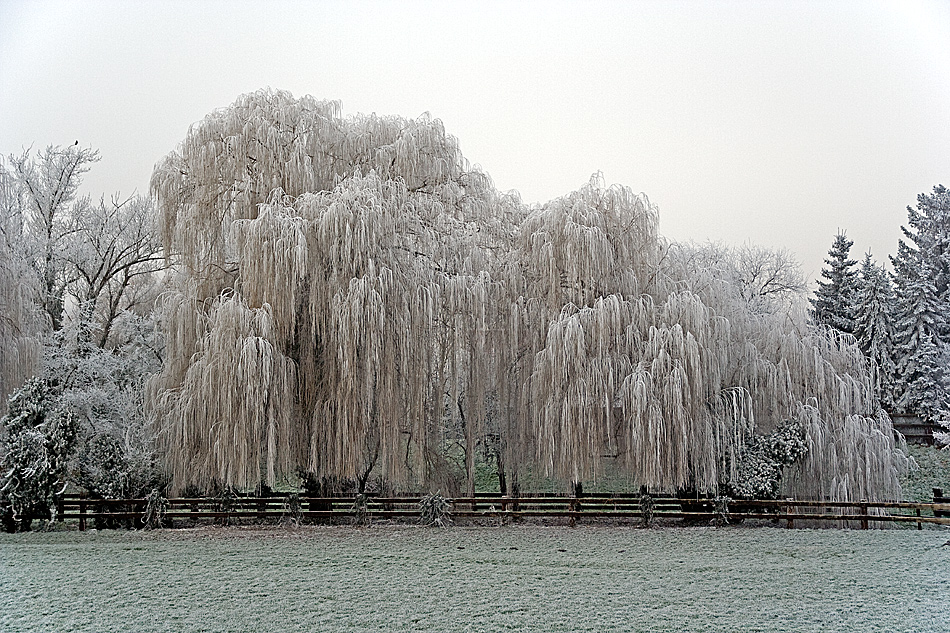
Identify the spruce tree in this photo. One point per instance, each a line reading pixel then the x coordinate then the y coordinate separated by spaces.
pixel 873 325
pixel 833 301
pixel 922 329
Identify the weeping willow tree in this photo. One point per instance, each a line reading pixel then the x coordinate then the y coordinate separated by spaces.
pixel 349 296
pixel 20 322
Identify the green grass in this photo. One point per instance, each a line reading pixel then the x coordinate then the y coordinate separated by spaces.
pixel 530 578
pixel 933 472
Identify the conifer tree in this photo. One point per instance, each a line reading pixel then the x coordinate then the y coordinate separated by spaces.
pixel 873 325
pixel 922 329
pixel 834 299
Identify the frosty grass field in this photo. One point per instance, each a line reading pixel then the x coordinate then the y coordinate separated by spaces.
pixel 523 578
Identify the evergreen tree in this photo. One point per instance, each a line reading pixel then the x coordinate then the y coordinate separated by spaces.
pixel 922 329
pixel 873 325
pixel 834 299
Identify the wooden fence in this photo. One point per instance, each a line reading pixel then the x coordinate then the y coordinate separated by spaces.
pixel 622 508
pixel 914 429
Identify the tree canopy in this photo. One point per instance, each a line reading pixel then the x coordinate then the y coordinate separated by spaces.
pixel 349 294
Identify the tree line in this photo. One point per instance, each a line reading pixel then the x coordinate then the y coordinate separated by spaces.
pixel 900 318
pixel 77 335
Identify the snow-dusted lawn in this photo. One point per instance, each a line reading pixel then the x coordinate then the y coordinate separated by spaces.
pixel 476 579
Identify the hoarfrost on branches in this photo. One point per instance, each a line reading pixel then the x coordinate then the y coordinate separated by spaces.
pixel 77 315
pixel 833 304
pixel 349 294
pixel 921 326
pixel 37 437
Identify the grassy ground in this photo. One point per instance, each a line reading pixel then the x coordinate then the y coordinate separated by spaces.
pixel 933 472
pixel 386 578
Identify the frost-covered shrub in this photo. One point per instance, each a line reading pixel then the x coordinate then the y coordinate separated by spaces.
pixel 646 509
pixel 103 469
pixel 361 510
pixel 156 506
pixel 36 437
pixel 763 459
pixel 103 388
pixel 108 468
pixel 721 508
pixel 434 509
pixel 225 501
pixel 293 509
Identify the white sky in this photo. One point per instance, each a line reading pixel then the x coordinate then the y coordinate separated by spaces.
pixel 775 123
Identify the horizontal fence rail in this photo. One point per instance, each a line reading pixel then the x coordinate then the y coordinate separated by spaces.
pixel 619 507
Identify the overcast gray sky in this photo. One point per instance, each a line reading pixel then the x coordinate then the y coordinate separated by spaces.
pixel 775 123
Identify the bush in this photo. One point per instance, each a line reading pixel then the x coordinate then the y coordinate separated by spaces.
pixel 762 461
pixel 36 437
pixel 435 510
pixel 361 510
pixel 103 470
pixel 156 506
pixel 293 509
pixel 110 469
pixel 646 509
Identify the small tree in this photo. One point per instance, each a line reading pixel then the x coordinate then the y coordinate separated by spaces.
pixel 874 327
pixel 834 299
pixel 763 459
pixel 38 434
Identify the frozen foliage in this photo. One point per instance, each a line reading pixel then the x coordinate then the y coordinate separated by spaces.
pixel 763 459
pixel 922 329
pixel 833 304
pixel 156 506
pixel 20 319
pixel 435 509
pixel 38 434
pixel 44 190
pixel 646 509
pixel 66 260
pixel 103 388
pixel 78 276
pixel 350 295
pixel 874 326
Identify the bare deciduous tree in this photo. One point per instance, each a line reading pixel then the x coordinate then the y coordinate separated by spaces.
pixel 46 189
pixel 111 256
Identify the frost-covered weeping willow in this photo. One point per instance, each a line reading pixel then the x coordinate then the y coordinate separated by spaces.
pixel 350 293
pixel 20 322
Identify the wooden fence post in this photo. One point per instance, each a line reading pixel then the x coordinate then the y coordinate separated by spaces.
pixel 863 504
pixel 919 524
pixel 790 522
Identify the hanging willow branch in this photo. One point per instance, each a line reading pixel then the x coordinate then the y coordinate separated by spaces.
pixel 352 297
